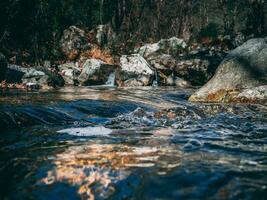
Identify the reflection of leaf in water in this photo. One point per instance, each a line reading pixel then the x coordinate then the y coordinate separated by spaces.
pixel 96 168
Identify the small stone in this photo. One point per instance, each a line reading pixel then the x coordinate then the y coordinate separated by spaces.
pixel 32 86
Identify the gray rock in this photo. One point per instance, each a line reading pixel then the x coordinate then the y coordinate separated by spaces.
pixel 256 94
pixel 95 72
pixel 32 73
pixel 51 78
pixel 15 73
pixel 244 68
pixel 194 70
pixel 196 67
pixel 133 83
pixel 74 41
pixel 3 67
pixel 176 81
pixel 167 46
pixel 163 62
pixel 134 67
pixel 35 75
pixel 70 73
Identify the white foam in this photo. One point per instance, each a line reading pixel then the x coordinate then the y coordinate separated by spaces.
pixel 87 131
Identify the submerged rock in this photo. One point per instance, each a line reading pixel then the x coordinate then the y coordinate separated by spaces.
pixel 134 71
pixel 70 73
pixel 95 72
pixel 73 41
pixel 244 68
pixel 3 66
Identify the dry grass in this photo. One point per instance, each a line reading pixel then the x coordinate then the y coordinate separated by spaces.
pixel 97 53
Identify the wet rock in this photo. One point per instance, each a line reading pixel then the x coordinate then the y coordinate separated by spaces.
pixel 176 81
pixel 243 68
pixel 133 83
pixel 168 46
pixel 3 66
pixel 163 65
pixel 74 41
pixel 95 72
pixel 32 86
pixel 70 73
pixel 134 71
pixel 35 75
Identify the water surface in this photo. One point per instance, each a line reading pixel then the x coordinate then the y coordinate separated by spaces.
pixel 147 143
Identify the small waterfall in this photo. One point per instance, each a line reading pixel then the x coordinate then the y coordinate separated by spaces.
pixel 111 79
pixel 156 81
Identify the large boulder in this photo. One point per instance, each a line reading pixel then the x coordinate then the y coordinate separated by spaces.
pixel 168 46
pixel 243 68
pixel 96 72
pixel 3 67
pixel 70 73
pixel 134 71
pixel 73 42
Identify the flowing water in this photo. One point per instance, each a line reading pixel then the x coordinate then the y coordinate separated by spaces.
pixel 147 143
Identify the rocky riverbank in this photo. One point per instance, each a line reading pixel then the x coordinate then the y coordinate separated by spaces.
pixel 240 74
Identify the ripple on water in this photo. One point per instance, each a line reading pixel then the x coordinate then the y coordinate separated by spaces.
pixel 190 151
